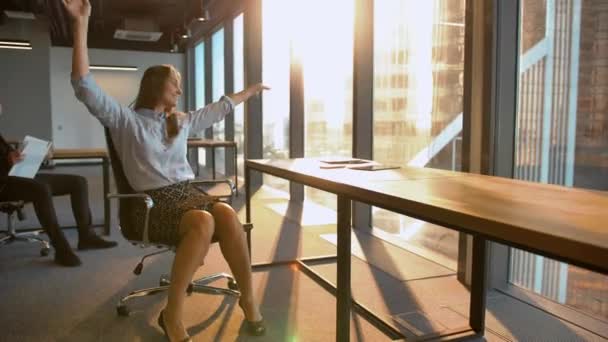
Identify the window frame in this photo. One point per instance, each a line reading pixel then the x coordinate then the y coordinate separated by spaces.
pixel 500 152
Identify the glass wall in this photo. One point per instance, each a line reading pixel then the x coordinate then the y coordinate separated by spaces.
pixel 199 75
pixel 418 101
pixel 327 62
pixel 239 84
pixel 275 73
pixel 217 90
pixel 561 129
pixel 199 86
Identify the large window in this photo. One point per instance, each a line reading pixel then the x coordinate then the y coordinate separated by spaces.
pixel 418 93
pixel 562 125
pixel 199 86
pixel 217 90
pixel 325 50
pixel 275 73
pixel 199 75
pixel 239 84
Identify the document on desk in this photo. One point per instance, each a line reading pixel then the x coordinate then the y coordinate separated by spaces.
pixel 34 151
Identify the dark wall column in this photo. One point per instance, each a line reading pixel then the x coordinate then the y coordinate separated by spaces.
pixel 208 92
pixel 253 74
pixel 363 97
pixel 296 121
pixel 229 89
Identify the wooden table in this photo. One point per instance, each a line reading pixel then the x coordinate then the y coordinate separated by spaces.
pixel 213 144
pixel 100 154
pixel 562 223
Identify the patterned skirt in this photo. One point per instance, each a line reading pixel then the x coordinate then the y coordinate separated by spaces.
pixel 170 204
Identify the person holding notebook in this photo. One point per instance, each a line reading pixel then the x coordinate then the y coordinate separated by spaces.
pixel 40 191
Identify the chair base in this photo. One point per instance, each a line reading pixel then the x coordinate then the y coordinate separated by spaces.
pixel 30 237
pixel 196 286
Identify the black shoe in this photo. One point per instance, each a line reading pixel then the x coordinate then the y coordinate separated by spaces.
pixel 93 241
pixel 257 328
pixel 67 258
pixel 161 323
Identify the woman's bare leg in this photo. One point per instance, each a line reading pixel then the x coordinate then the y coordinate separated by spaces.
pixel 196 229
pixel 233 244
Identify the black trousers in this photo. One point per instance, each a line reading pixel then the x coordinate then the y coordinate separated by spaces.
pixel 40 191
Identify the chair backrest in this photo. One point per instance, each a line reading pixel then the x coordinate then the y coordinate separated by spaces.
pixel 122 184
pixel 125 206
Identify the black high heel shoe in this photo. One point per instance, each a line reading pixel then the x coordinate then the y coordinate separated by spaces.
pixel 161 323
pixel 257 328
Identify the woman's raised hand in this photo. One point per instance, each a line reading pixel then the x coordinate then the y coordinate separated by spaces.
pixel 78 9
pixel 244 95
pixel 258 88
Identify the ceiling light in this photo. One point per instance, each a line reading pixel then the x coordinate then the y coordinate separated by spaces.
pixel 113 67
pixel 15 42
pixel 20 15
pixel 173 44
pixel 184 32
pixel 15 47
pixel 204 16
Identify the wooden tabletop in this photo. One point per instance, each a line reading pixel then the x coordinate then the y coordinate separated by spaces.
pixel 210 143
pixel 73 153
pixel 79 153
pixel 564 223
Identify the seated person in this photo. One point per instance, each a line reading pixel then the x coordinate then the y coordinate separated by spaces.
pixel 151 142
pixel 40 192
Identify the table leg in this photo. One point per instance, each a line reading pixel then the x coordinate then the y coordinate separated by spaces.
pixel 477 311
pixel 213 161
pixel 236 170
pixel 106 190
pixel 343 286
pixel 198 163
pixel 247 194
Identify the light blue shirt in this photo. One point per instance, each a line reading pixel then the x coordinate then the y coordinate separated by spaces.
pixel 149 159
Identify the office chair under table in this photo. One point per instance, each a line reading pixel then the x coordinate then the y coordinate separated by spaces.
pixel 12 208
pixel 126 196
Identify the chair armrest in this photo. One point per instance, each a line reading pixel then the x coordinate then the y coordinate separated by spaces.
pixel 149 205
pixel 213 182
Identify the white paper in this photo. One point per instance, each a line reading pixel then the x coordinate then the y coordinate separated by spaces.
pixel 34 151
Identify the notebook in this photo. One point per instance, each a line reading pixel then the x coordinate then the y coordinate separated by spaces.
pixel 34 151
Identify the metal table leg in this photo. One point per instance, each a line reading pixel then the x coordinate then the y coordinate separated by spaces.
pixel 477 311
pixel 198 163
pixel 236 170
pixel 105 164
pixel 247 194
pixel 213 161
pixel 343 286
pixel 248 202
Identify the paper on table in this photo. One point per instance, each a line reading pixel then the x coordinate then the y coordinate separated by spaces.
pixel 34 151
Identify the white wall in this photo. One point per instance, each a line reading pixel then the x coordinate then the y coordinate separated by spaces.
pixel 73 126
pixel 24 81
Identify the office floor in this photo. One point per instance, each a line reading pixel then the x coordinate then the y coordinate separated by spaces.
pixel 44 302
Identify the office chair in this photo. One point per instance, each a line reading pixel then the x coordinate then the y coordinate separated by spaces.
pixel 127 197
pixel 11 235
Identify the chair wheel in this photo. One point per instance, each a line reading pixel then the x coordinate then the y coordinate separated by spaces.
pixel 122 310
pixel 190 289
pixel 233 285
pixel 45 251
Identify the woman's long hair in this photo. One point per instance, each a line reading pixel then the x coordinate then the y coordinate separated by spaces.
pixel 151 90
pixel 152 85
